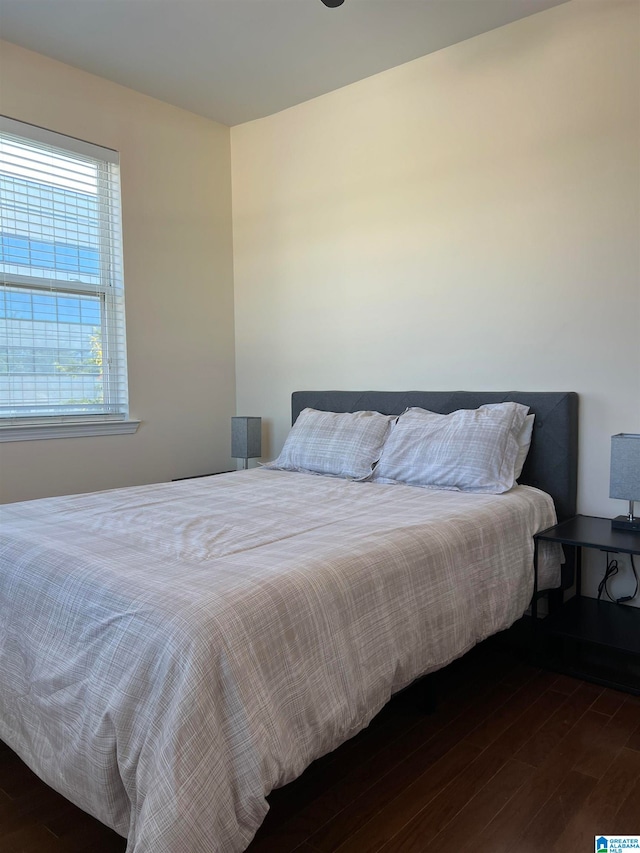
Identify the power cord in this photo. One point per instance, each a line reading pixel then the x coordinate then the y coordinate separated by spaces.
pixel 610 572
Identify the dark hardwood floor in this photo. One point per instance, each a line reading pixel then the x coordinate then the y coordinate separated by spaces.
pixel 514 760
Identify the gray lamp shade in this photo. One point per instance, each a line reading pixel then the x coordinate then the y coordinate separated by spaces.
pixel 625 466
pixel 246 438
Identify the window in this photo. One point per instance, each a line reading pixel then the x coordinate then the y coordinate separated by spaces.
pixel 62 333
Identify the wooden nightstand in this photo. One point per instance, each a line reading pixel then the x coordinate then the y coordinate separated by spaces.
pixel 595 640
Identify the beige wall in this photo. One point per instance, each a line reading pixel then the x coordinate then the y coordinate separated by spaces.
pixel 176 196
pixel 469 220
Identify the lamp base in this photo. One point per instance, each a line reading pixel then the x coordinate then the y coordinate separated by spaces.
pixel 623 522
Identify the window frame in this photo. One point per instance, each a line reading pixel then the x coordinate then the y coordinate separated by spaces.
pixel 108 289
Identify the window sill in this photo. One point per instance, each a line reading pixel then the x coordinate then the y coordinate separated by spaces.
pixel 30 432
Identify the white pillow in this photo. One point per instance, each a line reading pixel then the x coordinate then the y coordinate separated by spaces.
pixel 471 450
pixel 341 444
pixel 524 443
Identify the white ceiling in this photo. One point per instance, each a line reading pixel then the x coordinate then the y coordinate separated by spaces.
pixel 237 60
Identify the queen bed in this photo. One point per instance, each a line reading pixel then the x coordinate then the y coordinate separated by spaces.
pixel 171 653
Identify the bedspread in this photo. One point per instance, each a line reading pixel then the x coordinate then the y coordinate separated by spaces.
pixel 171 653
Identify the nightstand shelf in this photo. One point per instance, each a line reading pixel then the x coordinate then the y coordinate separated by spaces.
pixel 595 640
pixel 602 623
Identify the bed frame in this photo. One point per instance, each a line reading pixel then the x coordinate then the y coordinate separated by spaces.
pixel 552 463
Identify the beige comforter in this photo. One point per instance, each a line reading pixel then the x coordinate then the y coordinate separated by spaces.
pixel 171 653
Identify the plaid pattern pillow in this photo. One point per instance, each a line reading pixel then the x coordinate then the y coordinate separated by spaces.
pixel 341 444
pixel 524 443
pixel 471 450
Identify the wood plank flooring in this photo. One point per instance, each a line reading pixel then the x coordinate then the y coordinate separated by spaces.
pixel 514 760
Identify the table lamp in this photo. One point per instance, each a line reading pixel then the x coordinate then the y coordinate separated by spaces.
pixel 246 439
pixel 625 477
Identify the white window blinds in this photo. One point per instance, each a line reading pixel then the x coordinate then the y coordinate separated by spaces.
pixel 62 331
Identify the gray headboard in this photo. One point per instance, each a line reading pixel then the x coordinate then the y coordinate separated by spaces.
pixel 552 463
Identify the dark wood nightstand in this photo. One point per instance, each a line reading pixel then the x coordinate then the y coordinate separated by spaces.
pixel 595 640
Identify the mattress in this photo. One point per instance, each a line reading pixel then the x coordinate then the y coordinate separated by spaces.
pixel 171 653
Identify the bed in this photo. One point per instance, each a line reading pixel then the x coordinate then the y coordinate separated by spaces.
pixel 171 653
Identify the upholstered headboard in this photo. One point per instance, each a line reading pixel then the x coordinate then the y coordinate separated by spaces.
pixel 552 463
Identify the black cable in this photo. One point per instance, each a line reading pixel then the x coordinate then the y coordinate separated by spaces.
pixel 610 572
pixel 635 574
